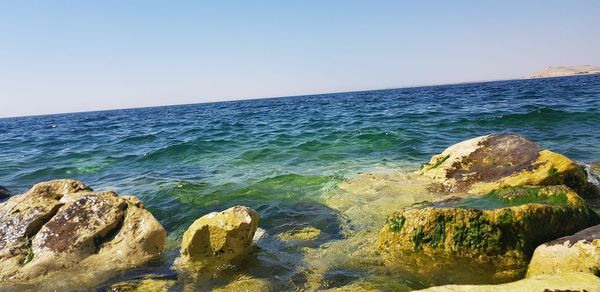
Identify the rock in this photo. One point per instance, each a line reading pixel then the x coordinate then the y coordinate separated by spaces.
pixel 579 252
pixel 4 193
pixel 595 169
pixel 357 287
pixel 492 235
pixel 148 284
pixel 572 281
pixel 219 236
pixel 246 284
pixel 258 235
pixel 307 233
pixel 64 230
pixel 368 198
pixel 486 163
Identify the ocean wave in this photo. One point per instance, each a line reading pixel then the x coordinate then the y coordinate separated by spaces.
pixel 190 149
pixel 542 116
pixel 139 139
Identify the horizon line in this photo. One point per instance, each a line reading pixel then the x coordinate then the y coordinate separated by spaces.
pixel 285 96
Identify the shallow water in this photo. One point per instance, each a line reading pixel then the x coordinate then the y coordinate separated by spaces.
pixel 287 157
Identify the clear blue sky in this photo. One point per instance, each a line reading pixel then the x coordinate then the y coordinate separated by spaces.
pixel 65 56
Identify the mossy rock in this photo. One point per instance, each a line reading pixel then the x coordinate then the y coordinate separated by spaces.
pixel 486 163
pixel 487 238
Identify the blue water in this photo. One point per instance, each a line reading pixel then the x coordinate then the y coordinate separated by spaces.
pixel 280 155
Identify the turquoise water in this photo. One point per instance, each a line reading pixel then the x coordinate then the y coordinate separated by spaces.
pixel 280 156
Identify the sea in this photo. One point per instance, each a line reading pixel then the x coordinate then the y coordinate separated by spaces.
pixel 282 156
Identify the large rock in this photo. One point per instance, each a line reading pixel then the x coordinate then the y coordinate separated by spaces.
pixel 572 281
pixel 579 252
pixel 219 236
pixel 490 236
pixel 64 230
pixel 486 163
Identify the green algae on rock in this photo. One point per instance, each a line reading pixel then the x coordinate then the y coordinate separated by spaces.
pixel 64 230
pixel 218 237
pixel 485 163
pixel 579 252
pixel 503 226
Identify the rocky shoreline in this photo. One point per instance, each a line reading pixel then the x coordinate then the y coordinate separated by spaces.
pixel 499 205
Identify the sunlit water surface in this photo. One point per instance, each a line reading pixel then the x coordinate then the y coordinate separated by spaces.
pixel 286 158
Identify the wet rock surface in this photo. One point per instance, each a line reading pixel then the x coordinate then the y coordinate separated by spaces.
pixel 579 252
pixel 595 169
pixel 64 230
pixel 247 284
pixel 218 237
pixel 485 163
pixel 562 282
pixel 502 227
pixel 307 233
pixel 147 284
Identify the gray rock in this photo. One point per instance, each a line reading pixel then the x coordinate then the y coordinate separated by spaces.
pixel 4 193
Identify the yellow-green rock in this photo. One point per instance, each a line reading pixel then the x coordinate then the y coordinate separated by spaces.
pixel 61 234
pixel 490 236
pixel 219 236
pixel 145 285
pixel 579 252
pixel 571 281
pixel 246 284
pixel 307 233
pixel 359 286
pixel 486 163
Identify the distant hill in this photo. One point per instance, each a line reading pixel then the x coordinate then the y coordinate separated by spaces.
pixel 565 71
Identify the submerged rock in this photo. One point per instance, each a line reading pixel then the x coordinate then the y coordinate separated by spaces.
pixel 579 252
pixel 219 236
pixel 246 284
pixel 367 199
pixel 62 229
pixel 494 234
pixel 307 233
pixel 4 193
pixel 148 284
pixel 486 163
